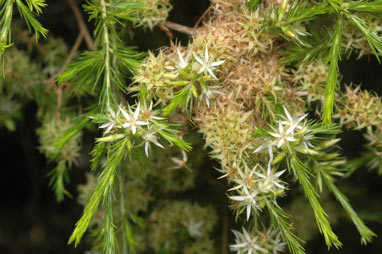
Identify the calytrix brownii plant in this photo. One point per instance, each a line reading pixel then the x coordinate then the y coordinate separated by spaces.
pixel 258 80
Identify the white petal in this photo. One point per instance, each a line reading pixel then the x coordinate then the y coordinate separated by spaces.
pixel 214 64
pixel 133 129
pixel 211 73
pixel 180 56
pixel 247 236
pixel 198 59
pixel 110 111
pixel 158 144
pixel 248 211
pixel 276 135
pixel 147 149
pixel 126 125
pixel 259 148
pixel 278 174
pixel 238 245
pixel 124 113
pixel 287 114
pixel 109 128
pixel 234 188
pixel 104 125
pixel 238 198
pixel 136 113
pixel 260 175
pixel 141 123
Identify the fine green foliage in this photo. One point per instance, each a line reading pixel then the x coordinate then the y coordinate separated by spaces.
pixel 254 81
pixel 301 173
pixel 332 80
pixel 278 218
pixel 298 24
pixel 102 194
pixel 28 13
pixel 364 231
pixel 58 177
pixel 114 60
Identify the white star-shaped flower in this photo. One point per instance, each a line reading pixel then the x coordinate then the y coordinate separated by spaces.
pixel 112 117
pixel 291 122
pixel 283 136
pixel 243 179
pixel 208 93
pixel 132 121
pixel 183 63
pixel 193 228
pixel 207 64
pixel 150 137
pixel 270 180
pixel 249 199
pixel 245 243
pixel 180 163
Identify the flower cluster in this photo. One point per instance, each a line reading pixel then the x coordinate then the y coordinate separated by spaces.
pixel 179 80
pixel 255 185
pixel 290 133
pixel 267 242
pixel 373 156
pixel 152 12
pixel 143 122
pixel 358 109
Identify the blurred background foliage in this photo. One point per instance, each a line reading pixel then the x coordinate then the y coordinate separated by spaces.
pixel 31 220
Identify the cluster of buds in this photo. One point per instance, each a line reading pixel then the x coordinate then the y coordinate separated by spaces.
pixel 264 242
pixel 311 78
pixel 143 123
pixel 354 40
pixel 180 81
pixel 50 131
pixel 152 12
pixel 374 147
pixel 255 186
pixel 358 109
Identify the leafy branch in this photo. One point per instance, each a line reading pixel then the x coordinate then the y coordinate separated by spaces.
pixel 103 193
pixel 301 173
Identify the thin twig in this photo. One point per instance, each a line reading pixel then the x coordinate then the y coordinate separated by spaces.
pixel 59 101
pixel 72 53
pixel 81 24
pixel 167 31
pixel 180 28
pixel 202 17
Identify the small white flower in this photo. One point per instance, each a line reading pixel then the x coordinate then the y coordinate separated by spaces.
pixel 209 93
pixel 270 180
pixel 132 121
pixel 148 114
pixel 207 64
pixel 193 228
pixel 150 137
pixel 180 163
pixel 291 122
pixel 183 63
pixel 278 244
pixel 245 243
pixel 249 199
pixel 244 180
pixel 283 136
pixel 112 117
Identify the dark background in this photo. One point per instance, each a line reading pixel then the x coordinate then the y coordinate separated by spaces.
pixel 31 221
